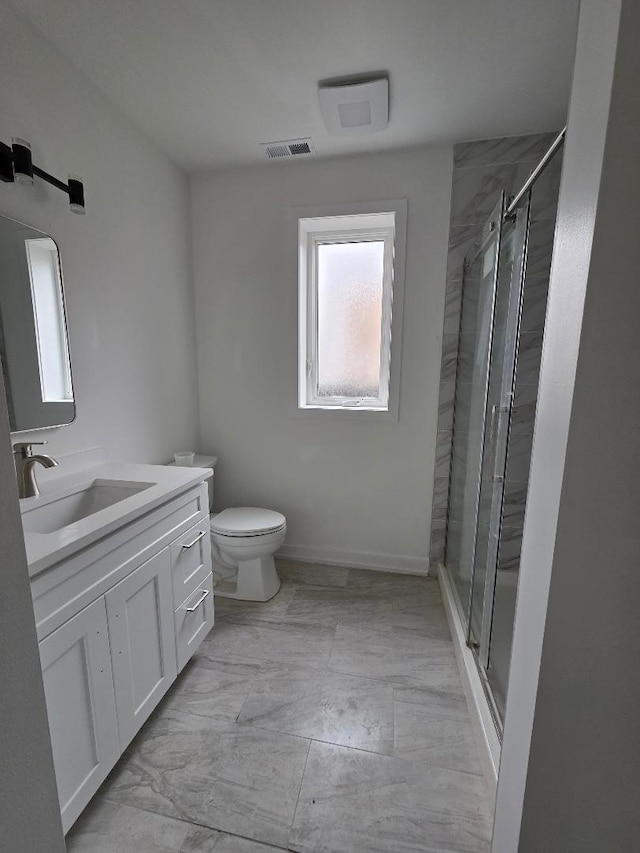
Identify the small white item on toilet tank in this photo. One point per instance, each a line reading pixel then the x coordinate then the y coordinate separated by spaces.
pixel 184 458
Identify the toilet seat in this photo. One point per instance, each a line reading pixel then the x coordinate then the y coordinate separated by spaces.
pixel 247 521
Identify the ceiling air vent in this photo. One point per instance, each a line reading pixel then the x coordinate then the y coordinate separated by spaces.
pixel 288 148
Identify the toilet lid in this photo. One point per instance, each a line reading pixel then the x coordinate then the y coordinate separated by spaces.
pixel 247 521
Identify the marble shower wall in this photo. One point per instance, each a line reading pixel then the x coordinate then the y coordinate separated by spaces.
pixel 481 171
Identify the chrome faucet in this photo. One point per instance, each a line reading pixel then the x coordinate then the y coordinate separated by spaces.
pixel 25 462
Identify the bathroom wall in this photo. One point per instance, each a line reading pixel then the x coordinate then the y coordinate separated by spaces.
pixel 355 489
pixel 481 171
pixel 126 263
pixel 29 807
pixel 569 776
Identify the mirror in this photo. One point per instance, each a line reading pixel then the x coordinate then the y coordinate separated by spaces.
pixel 34 349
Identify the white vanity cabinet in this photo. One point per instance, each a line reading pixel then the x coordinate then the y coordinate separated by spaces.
pixel 116 622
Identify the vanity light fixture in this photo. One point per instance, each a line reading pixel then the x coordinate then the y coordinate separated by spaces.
pixel 17 166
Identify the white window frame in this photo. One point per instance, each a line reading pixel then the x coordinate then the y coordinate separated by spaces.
pixel 383 222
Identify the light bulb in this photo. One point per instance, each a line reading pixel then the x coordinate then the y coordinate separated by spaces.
pixel 22 163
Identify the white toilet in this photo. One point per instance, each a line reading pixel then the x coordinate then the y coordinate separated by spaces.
pixel 243 542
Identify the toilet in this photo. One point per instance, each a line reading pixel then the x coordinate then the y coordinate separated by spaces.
pixel 243 542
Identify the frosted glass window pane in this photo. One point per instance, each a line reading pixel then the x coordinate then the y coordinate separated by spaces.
pixel 349 318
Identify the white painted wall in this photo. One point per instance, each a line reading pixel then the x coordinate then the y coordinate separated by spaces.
pixel 130 310
pixel 569 777
pixel 29 810
pixel 589 689
pixel 353 488
pixel 126 263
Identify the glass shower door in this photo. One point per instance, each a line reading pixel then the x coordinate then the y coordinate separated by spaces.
pixel 489 333
pixel 512 256
pixel 474 349
pixel 500 593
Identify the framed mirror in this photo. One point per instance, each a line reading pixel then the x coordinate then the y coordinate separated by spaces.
pixel 34 348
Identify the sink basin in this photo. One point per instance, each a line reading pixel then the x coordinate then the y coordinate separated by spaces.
pixel 49 515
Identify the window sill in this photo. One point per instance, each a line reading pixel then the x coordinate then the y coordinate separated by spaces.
pixel 318 408
pixel 346 413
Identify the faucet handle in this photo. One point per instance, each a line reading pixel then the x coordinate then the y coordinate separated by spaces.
pixel 24 447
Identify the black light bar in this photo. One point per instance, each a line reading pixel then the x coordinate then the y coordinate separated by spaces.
pixel 17 166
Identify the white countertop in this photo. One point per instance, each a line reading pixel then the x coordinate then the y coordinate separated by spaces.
pixel 46 549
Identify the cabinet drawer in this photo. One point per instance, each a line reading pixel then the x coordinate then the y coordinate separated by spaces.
pixel 194 620
pixel 190 560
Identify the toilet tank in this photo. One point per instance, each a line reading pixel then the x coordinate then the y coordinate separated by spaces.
pixel 201 461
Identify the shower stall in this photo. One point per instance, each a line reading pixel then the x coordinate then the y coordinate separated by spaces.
pixel 499 340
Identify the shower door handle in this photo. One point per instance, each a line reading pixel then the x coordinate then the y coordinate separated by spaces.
pixel 492 427
pixel 494 431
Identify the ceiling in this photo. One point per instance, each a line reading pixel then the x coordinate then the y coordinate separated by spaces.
pixel 208 80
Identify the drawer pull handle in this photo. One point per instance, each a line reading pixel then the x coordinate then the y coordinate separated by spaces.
pixel 191 544
pixel 194 607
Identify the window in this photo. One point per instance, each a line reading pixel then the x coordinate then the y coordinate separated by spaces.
pixel 346 282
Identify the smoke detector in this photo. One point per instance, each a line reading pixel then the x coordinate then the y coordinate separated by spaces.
pixel 354 107
pixel 288 148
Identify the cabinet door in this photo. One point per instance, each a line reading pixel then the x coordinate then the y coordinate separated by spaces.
pixel 78 685
pixel 140 616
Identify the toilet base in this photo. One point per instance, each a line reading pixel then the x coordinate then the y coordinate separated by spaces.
pixel 257 580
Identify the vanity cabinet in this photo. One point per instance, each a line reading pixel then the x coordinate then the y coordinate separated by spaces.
pixel 116 623
pixel 78 684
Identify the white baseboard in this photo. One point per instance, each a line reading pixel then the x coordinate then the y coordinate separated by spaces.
pixel 481 718
pixel 355 559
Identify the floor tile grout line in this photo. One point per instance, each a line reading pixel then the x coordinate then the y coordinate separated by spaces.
pixel 220 656
pixel 295 810
pixel 393 718
pixel 249 621
pixel 380 679
pixel 317 740
pixel 439 635
pixel 228 657
pixel 194 823
pixel 236 723
pixel 411 685
pixel 110 799
pixel 333 641
pixel 422 762
pixel 249 693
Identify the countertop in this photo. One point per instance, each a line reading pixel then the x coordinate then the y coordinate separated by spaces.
pixel 47 549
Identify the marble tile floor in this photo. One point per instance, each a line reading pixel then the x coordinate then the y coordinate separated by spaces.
pixel 328 720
